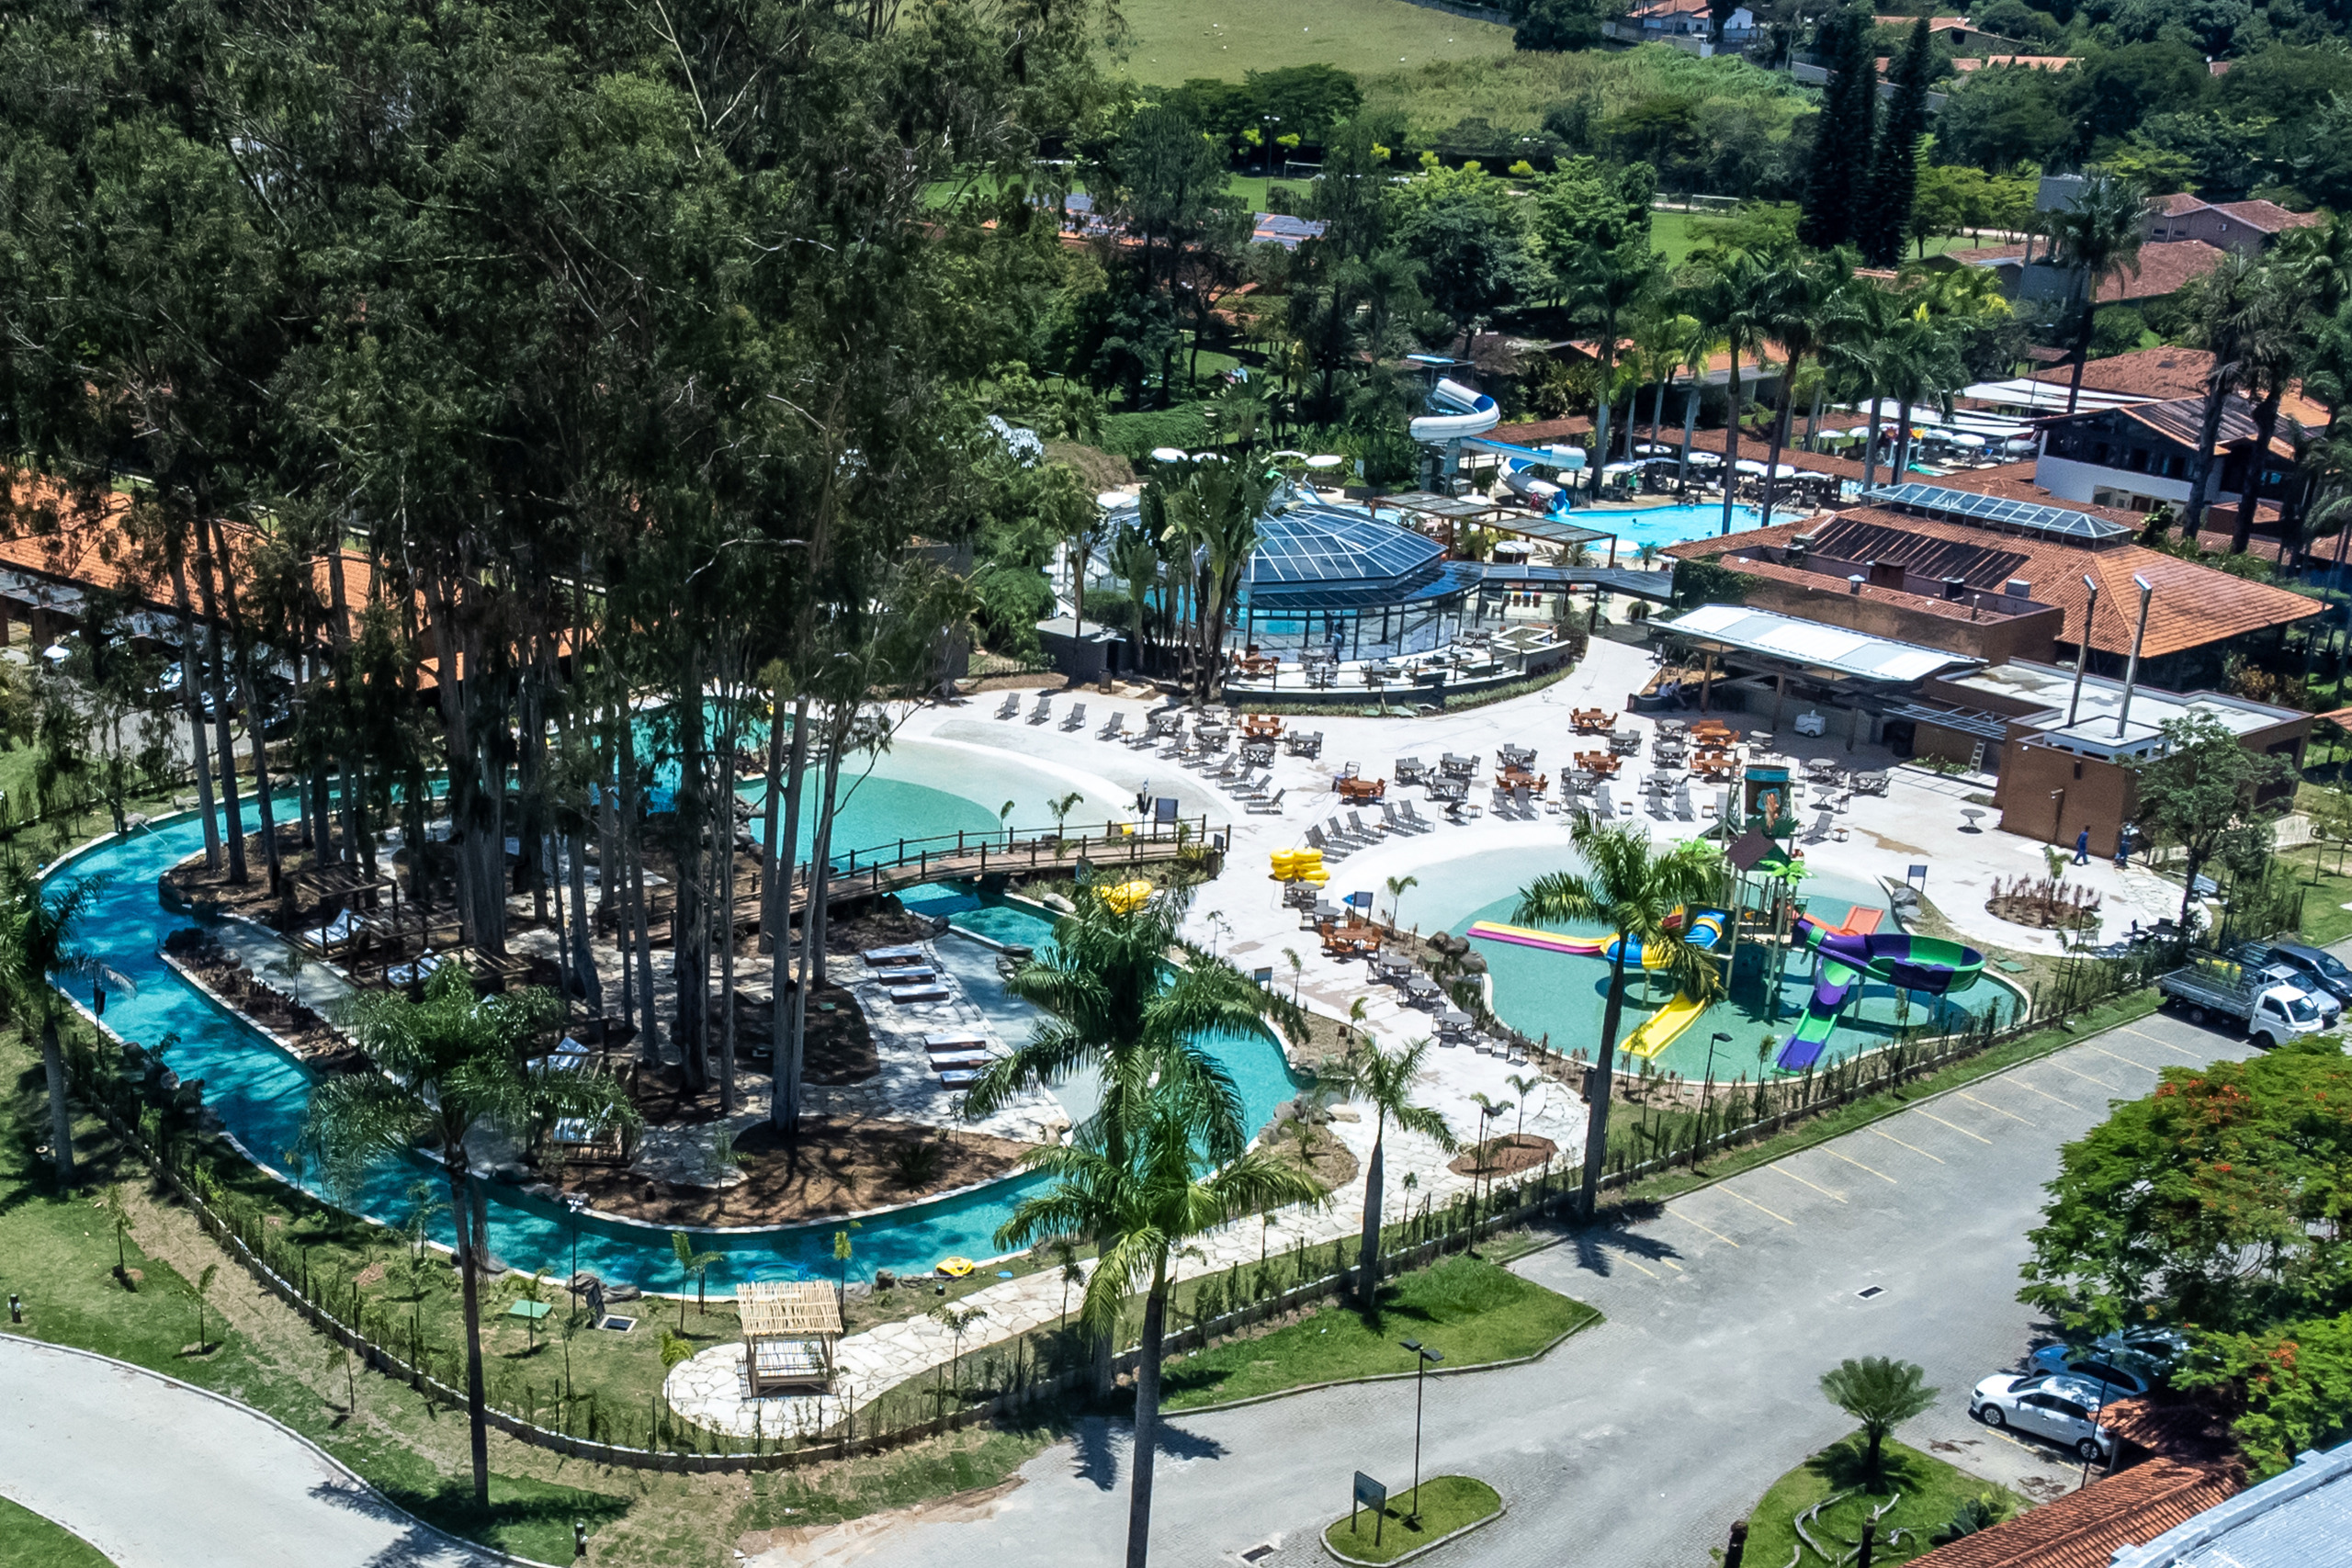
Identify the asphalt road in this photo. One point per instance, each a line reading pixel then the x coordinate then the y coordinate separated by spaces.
pixel 156 1474
pixel 1637 1443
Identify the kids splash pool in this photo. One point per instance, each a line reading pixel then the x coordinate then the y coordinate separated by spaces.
pixel 1664 525
pixel 261 1094
pixel 1560 996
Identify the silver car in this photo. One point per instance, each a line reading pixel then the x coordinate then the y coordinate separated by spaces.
pixel 2053 1406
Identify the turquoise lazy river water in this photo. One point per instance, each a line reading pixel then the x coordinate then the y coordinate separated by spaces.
pixel 260 1094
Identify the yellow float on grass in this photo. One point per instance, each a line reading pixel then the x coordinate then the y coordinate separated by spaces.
pixel 956 1268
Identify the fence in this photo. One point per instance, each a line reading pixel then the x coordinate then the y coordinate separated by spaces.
pixel 1019 1373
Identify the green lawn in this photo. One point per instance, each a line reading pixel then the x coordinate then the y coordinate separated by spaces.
pixel 1174 40
pixel 1471 1309
pixel 2325 892
pixel 1446 1502
pixel 28 1541
pixel 1932 1492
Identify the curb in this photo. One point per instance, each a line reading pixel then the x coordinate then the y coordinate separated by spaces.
pixel 1598 1318
pixel 334 1464
pixel 1501 1509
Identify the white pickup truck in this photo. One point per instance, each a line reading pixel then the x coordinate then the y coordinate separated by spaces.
pixel 2270 1001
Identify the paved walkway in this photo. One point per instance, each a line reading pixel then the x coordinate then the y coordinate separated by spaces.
pixel 1637 1443
pixel 156 1474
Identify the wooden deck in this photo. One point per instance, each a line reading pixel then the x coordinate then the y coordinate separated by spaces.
pixel 868 874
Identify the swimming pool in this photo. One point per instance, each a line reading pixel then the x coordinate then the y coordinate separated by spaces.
pixel 261 1095
pixel 1663 524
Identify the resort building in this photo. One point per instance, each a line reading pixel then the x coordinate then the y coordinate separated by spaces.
pixel 2139 457
pixel 1996 577
pixel 2246 227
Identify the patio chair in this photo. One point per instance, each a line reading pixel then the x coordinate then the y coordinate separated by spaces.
pixel 1268 806
pixel 1354 839
pixel 1011 706
pixel 1603 805
pixel 1370 835
pixel 1076 718
pixel 1414 819
pixel 1115 728
pixel 1409 770
pixel 1043 710
pixel 1682 802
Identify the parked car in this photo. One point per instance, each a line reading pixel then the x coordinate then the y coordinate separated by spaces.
pixel 2323 968
pixel 2059 1408
pixel 2122 1374
pixel 2269 958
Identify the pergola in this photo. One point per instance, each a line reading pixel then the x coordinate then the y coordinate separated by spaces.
pixel 789 1326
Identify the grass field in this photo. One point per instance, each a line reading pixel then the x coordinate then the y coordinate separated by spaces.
pixel 1471 1309
pixel 1173 40
pixel 28 1541
pixel 1446 1503
pixel 1931 1491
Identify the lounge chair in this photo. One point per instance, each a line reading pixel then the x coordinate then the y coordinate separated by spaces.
pixel 1011 706
pixel 1370 835
pixel 1414 819
pixel 1522 802
pixel 1268 806
pixel 1043 710
pixel 1075 718
pixel 1356 835
pixel 1331 851
pixel 1682 811
pixel 1603 805
pixel 1113 729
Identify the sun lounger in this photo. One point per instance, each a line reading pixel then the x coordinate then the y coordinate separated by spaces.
pixel 1043 710
pixel 1414 819
pixel 1012 706
pixel 1075 718
pixel 1333 849
pixel 1114 728
pixel 1603 805
pixel 908 996
pixel 1370 834
pixel 1271 806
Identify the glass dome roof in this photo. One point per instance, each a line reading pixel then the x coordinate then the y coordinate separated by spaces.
pixel 1315 545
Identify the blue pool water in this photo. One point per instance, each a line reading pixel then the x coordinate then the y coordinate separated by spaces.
pixel 1664 525
pixel 261 1095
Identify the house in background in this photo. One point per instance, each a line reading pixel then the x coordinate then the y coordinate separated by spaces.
pixel 2241 226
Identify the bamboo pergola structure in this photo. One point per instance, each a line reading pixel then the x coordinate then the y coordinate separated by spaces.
pixel 789 1327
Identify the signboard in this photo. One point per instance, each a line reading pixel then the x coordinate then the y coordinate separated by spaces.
pixel 1370 1493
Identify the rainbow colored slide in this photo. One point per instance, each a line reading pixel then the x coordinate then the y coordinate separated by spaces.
pixel 1848 958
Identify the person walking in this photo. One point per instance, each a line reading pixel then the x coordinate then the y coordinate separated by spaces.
pixel 2123 846
pixel 2082 846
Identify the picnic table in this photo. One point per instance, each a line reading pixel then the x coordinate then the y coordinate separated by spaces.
pixel 1592 721
pixel 1261 727
pixel 1522 778
pixel 1359 788
pixel 1600 764
pixel 1715 764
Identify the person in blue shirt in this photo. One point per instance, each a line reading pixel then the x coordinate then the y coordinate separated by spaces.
pixel 2082 846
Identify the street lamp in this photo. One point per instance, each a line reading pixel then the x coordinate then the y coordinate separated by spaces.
pixel 2083 648
pixel 2132 670
pixel 1269 121
pixel 1424 1356
pixel 575 1202
pixel 1707 1093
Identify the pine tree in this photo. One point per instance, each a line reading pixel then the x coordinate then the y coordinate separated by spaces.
pixel 1884 220
pixel 1844 140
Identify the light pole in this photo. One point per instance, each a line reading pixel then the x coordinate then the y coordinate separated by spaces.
pixel 1424 1356
pixel 1269 121
pixel 1707 1093
pixel 2083 648
pixel 2132 670
pixel 575 1202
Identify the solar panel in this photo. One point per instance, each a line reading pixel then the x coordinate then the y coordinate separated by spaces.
pixel 1974 506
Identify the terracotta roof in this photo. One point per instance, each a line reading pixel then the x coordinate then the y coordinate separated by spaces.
pixel 2194 606
pixel 1839 588
pixel 2177 1428
pixel 2179 204
pixel 1574 428
pixel 2143 373
pixel 50 534
pixel 2029 61
pixel 2266 216
pixel 2166 267
pixel 2083 1528
pixel 2014 481
pixel 2181 421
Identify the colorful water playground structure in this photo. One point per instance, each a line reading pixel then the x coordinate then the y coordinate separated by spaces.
pixel 1663 1027
pixel 1845 957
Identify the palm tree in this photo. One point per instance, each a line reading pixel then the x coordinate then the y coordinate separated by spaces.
pixel 1525 1085
pixel 2098 237
pixel 1850 351
pixel 114 1205
pixel 1383 1080
pixel 1919 361
pixel 1734 305
pixel 1145 1203
pixel 199 1290
pixel 1880 1394
pixel 1605 283
pixel 37 946
pixel 695 1266
pixel 1804 299
pixel 1114 1003
pixel 1398 888
pixel 1213 509
pixel 447 1066
pixel 2226 306
pixel 1640 894
pixel 957 1321
pixel 1693 345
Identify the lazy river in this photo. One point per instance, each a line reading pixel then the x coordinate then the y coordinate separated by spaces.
pixel 261 1094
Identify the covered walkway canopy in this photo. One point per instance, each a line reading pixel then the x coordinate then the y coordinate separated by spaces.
pixel 1867 675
